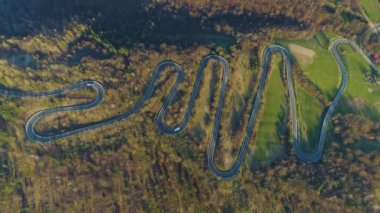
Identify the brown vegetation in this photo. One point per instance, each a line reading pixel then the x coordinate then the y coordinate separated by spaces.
pixel 131 166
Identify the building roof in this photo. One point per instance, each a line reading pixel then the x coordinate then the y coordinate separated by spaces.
pixel 375 58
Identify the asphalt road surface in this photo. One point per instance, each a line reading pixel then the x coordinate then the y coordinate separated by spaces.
pixel 315 156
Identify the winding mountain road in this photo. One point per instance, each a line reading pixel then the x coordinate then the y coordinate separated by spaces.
pixel 33 135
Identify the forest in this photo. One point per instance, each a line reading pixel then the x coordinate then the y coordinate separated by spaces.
pixel 131 166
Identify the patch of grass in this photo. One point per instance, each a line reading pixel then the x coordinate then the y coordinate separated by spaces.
pixel 357 86
pixel 309 116
pixel 371 8
pixel 267 145
pixel 323 72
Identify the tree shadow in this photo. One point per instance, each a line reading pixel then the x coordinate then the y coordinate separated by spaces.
pixel 124 23
pixel 365 110
pixel 23 17
pixel 21 59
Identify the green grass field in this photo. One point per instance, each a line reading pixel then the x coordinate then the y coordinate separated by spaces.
pixel 309 115
pixel 323 72
pixel 267 145
pixel 372 9
pixel 358 90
